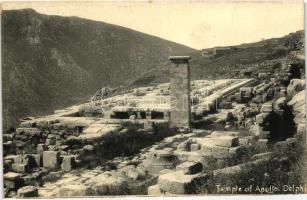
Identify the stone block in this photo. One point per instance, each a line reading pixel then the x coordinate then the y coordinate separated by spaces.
pixel 68 163
pixel 194 147
pixel 107 184
pixel 28 131
pixel 266 108
pixel 51 159
pixel 27 191
pixel 74 190
pixel 12 180
pixel 7 165
pixel 20 168
pixel 132 172
pixel 88 148
pixel 19 159
pixel 154 190
pixel 246 140
pixel 262 155
pixel 188 156
pixel 7 137
pixel 177 182
pixel 208 147
pixel 190 167
pixel 226 141
pixel 224 133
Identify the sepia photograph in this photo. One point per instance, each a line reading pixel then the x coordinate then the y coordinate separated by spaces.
pixel 153 98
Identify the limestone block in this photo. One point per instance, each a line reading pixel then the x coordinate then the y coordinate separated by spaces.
pixel 68 163
pixel 74 190
pixel 266 108
pixel 208 147
pixel 7 137
pixel 177 182
pixel 190 167
pixel 88 148
pixel 12 180
pixel 7 165
pixel 51 159
pixel 132 172
pixel 154 190
pixel 262 155
pixel 107 184
pixel 26 124
pixel 29 131
pixel 20 168
pixel 224 133
pixel 27 191
pixel 188 156
pixel 226 141
pixel 19 159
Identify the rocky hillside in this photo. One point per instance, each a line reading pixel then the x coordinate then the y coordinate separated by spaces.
pixel 233 61
pixel 49 62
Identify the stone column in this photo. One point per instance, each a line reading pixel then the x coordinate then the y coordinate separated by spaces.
pixel 180 114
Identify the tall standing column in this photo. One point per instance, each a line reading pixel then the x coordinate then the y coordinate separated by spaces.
pixel 180 115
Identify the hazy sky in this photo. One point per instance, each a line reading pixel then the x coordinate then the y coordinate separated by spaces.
pixel 198 24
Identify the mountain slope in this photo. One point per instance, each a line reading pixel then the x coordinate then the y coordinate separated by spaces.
pixel 232 60
pixel 49 62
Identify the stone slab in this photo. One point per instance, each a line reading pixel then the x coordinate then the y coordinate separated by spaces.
pixel 27 191
pixel 51 159
pixel 177 182
pixel 68 163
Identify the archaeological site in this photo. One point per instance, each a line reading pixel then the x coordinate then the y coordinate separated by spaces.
pixel 228 120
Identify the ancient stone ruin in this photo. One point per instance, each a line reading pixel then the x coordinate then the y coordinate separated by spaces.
pixel 155 141
pixel 180 112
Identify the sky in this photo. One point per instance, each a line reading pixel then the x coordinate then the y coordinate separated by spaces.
pixel 197 24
